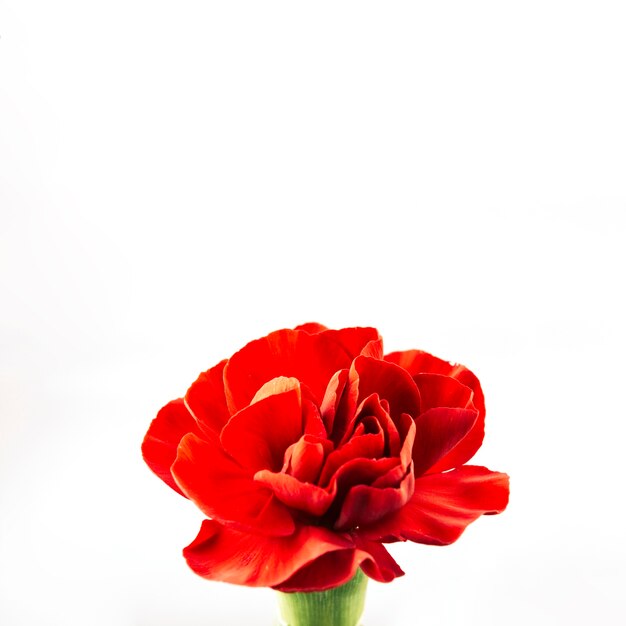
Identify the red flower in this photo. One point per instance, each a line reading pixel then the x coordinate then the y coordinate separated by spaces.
pixel 308 449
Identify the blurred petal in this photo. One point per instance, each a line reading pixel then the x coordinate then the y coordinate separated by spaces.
pixel 442 506
pixel 224 491
pixel 159 446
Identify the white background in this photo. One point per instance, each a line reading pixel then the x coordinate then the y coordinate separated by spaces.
pixel 178 178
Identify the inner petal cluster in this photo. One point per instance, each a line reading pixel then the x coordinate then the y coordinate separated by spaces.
pixel 343 464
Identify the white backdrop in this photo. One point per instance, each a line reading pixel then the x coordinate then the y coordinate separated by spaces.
pixel 177 178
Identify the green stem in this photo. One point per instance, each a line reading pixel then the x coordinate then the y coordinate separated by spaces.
pixel 341 606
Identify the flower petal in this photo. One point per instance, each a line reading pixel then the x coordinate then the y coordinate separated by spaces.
pixel 442 506
pixel 206 400
pixel 356 340
pixel 258 436
pixel 420 362
pixel 339 404
pixel 366 504
pixel 437 390
pixel 363 447
pixel 381 566
pixel 312 359
pixel 304 459
pixel 224 491
pixel 159 446
pixel 438 432
pixel 221 553
pixel 389 381
pixel 311 327
pixel 296 494
pixel 336 568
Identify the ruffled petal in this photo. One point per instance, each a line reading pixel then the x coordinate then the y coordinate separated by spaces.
pixel 389 381
pixel 159 446
pixel 312 359
pixel 365 504
pixel 357 340
pixel 206 400
pixel 338 567
pixel 338 407
pixel 363 447
pixel 224 491
pixel 438 432
pixel 442 506
pixel 258 436
pixel 420 362
pixel 437 390
pixel 296 494
pixel 221 553
pixel 304 459
pixel 381 566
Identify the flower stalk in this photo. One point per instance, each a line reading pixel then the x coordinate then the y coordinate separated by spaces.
pixel 340 606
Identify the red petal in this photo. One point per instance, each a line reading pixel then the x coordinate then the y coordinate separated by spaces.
pixel 304 459
pixel 364 504
pixel 312 359
pixel 443 505
pixel 296 494
pixel 313 422
pixel 258 436
pixel 372 406
pixel 419 362
pixel 311 327
pixel 206 401
pixel 339 404
pixel 389 381
pixel 363 447
pixel 221 553
pixel 437 390
pixel 159 446
pixel 438 433
pixel 356 340
pixel 336 568
pixel 224 491
pixel 381 566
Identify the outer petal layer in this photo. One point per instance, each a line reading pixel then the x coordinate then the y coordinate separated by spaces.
pixel 206 400
pixel 439 432
pixel 420 362
pixel 221 553
pixel 443 505
pixel 312 359
pixel 224 491
pixel 159 446
pixel 338 567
